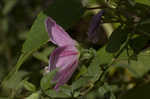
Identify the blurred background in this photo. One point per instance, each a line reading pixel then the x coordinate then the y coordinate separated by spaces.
pixel 16 19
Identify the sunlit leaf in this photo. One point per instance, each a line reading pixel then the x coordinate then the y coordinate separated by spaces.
pixel 29 86
pixel 146 2
pixel 33 96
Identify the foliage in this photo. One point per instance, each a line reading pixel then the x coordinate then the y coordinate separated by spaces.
pixel 117 67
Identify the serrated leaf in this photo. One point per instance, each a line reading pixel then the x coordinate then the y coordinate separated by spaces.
pixel 29 86
pixel 46 81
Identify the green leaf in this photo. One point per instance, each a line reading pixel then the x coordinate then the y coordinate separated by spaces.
pixel 136 67
pixel 29 86
pixel 43 55
pixel 107 89
pixel 15 80
pixel 104 89
pixel 82 71
pixel 145 2
pixel 9 4
pixel 2 72
pixel 102 57
pixel 4 98
pixel 94 71
pixel 14 83
pixel 46 80
pixel 144 26
pixel 66 89
pixel 138 43
pixel 117 38
pixel 58 11
pixel 35 95
pixel 112 96
pixel 90 3
pixel 132 2
pixel 54 94
pixel 38 36
pixel 142 65
pixel 145 22
pixel 81 82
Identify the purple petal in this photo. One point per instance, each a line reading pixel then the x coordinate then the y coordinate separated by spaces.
pixel 60 55
pixel 66 59
pixel 63 76
pixel 57 34
pixel 94 24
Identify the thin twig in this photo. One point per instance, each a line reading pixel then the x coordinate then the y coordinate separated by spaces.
pixel 93 8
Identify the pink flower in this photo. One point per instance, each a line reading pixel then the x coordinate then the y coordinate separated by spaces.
pixel 57 34
pixel 65 57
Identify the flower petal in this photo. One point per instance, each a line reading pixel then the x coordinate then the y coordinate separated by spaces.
pixel 57 34
pixel 61 56
pixel 94 24
pixel 66 59
pixel 63 76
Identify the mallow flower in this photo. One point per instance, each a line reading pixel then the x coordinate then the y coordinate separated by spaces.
pixel 94 24
pixel 65 56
